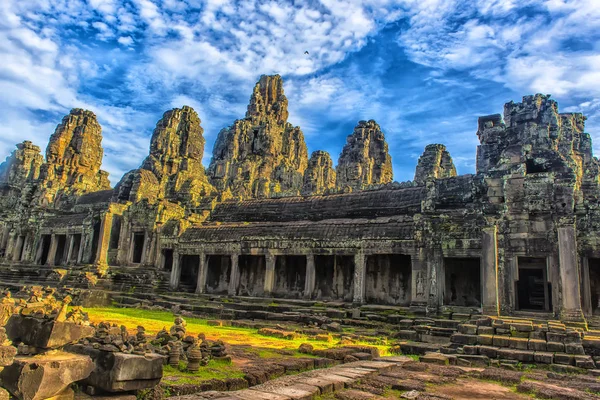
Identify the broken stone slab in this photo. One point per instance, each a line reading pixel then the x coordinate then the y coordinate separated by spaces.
pixel 7 355
pixel 121 372
pixel 45 376
pixel 44 333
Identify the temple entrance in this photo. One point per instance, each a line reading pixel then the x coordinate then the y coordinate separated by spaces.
pixel 462 285
pixel 189 272
pixel 334 278
pixel 115 233
pixel 45 243
pixel 60 257
pixel 251 275
pixel 138 247
pixel 388 279
pixel 594 266
pixel 290 276
pixel 533 289
pixel 218 273
pixel 76 246
pixel 95 237
pixel 167 255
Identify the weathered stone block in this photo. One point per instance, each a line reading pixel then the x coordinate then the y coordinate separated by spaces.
pixel 485 330
pixel 518 343
pixel 562 358
pixel 7 355
pixel 555 347
pixel 574 348
pixel 470 350
pixel 556 337
pixel 407 335
pixel 120 372
pixel 537 345
pixel 519 355
pixel 486 340
pixel 491 352
pixel 501 341
pixel 43 377
pixel 467 329
pixel 584 362
pixel 543 357
pixel 463 339
pixel 44 333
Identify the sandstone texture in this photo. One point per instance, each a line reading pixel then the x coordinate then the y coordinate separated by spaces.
pixel 262 155
pixel 173 170
pixel 319 177
pixel 22 166
pixel 434 163
pixel 365 160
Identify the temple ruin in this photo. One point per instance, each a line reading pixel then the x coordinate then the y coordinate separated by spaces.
pixel 519 237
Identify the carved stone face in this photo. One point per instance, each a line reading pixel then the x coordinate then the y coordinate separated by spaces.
pixel 354 171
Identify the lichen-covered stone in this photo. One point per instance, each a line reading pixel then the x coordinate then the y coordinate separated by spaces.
pixel 261 155
pixel 365 160
pixel 23 165
pixel 73 158
pixel 173 170
pixel 319 177
pixel 434 163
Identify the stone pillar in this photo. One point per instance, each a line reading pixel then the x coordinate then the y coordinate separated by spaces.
pixel 70 251
pixel 435 287
pixel 418 300
pixel 569 274
pixel 269 273
pixel 10 245
pixel 234 277
pixel 52 252
pixel 18 249
pixel 175 271
pixel 104 239
pixel 80 253
pixel 40 250
pixel 360 272
pixel 309 282
pixel 201 284
pixel 489 272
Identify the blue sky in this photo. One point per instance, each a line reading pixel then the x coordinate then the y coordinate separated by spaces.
pixel 423 69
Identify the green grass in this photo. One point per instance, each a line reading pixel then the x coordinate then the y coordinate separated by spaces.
pixel 216 369
pixel 154 321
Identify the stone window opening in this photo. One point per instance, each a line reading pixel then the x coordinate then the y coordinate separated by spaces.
pixel 138 247
pixel 76 247
pixel 290 276
pixel 388 279
pixel 462 281
pixel 594 273
pixel 189 273
pixel 45 243
pixel 533 291
pixel 531 167
pixel 167 256
pixel 334 278
pixel 61 249
pixel 251 275
pixel 218 274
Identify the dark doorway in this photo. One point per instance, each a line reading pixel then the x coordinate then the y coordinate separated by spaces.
pixel 252 275
pixel 76 247
pixel 45 243
pixel 95 238
pixel 334 278
pixel 59 258
pixel 217 274
pixel 462 282
pixel 594 265
pixel 115 233
pixel 290 276
pixel 388 279
pixel 189 273
pixel 533 290
pixel 138 247
pixel 21 249
pixel 167 259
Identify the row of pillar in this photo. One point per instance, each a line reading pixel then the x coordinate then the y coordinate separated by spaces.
pixel 53 250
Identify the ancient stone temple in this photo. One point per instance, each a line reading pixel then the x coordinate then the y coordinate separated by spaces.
pixel 519 237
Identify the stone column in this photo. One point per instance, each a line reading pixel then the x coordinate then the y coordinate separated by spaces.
pixel 569 274
pixel 435 287
pixel 201 283
pixel 40 250
pixel 175 271
pixel 18 249
pixel 234 277
pixel 104 239
pixel 360 272
pixel 52 252
pixel 10 245
pixel 309 282
pixel 269 273
pixel 489 269
pixel 70 251
pixel 418 302
pixel 80 252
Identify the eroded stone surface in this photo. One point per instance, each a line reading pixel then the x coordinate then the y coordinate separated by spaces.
pixel 262 155
pixel 434 163
pixel 365 160
pixel 319 177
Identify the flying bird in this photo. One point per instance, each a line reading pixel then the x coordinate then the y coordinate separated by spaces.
pixel 306 52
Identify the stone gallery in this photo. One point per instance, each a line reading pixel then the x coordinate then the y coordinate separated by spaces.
pixel 519 237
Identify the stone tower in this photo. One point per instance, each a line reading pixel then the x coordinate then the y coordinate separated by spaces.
pixel 261 155
pixel 365 159
pixel 434 163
